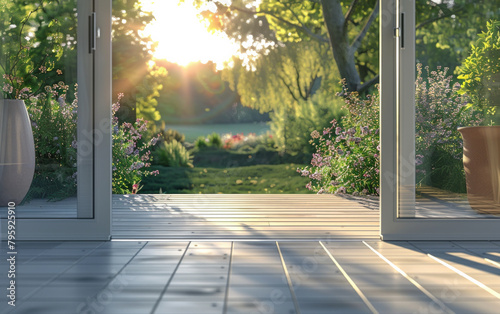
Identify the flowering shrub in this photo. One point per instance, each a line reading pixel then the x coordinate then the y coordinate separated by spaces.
pixel 251 139
pixel 131 155
pixel 347 153
pixel 440 110
pixel 53 122
pixel 233 141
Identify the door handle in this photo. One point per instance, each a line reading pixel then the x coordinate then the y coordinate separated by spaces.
pixel 92 32
pixel 402 32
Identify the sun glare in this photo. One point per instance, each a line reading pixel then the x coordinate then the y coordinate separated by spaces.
pixel 182 37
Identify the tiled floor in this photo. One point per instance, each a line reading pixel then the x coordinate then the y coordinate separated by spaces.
pixel 255 277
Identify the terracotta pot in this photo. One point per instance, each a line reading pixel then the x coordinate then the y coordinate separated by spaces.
pixel 482 167
pixel 17 151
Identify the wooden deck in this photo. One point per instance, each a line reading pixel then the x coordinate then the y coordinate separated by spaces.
pixel 252 216
pixel 232 217
pixel 237 277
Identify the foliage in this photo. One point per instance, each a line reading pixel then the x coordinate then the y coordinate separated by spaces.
pixel 212 141
pixel 173 154
pixel 54 124
pixel 262 26
pixel 43 34
pixel 347 154
pixel 290 125
pixel 289 73
pixel 342 24
pixel 201 143
pixel 350 28
pixel 256 179
pixel 168 135
pixel 54 132
pixel 293 82
pixel 440 110
pixel 480 72
pixel 131 155
pixel 38 37
pixel 446 29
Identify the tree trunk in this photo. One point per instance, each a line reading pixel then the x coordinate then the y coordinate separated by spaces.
pixel 339 42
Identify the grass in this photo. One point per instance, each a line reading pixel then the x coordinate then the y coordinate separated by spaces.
pixel 256 179
pixel 194 131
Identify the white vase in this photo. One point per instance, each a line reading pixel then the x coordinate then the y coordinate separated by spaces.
pixel 17 151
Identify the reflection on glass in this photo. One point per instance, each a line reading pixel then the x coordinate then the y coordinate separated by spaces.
pixel 457 139
pixel 38 62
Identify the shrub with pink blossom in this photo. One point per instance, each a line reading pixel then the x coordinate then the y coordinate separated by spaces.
pixel 347 152
pixel 131 153
pixel 53 121
pixel 440 111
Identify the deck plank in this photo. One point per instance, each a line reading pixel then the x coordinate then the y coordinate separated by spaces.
pixel 229 216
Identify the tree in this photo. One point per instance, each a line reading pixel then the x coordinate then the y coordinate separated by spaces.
pixel 350 28
pixel 134 72
pixel 340 24
pixel 290 72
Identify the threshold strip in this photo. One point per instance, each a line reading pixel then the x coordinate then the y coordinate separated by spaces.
pixel 289 280
pixel 170 279
pixel 226 295
pixel 415 283
pixel 492 262
pixel 351 282
pixel 461 273
pixel 229 239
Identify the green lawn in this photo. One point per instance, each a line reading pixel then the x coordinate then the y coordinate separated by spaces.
pixel 192 132
pixel 258 179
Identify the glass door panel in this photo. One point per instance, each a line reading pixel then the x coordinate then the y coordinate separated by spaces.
pixel 59 45
pixel 39 64
pixel 425 182
pixel 439 176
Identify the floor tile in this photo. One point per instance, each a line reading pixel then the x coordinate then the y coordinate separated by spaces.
pixel 47 307
pixel 259 306
pixel 189 307
pixel 195 292
pixel 126 307
pixel 110 276
pixel 334 306
pixel 259 292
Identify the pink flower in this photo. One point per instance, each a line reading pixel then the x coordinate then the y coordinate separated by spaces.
pixel 135 188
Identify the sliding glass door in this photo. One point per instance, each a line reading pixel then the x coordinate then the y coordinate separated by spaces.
pixel 440 152
pixel 56 57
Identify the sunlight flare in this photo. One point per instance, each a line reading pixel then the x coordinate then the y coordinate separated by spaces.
pixel 182 35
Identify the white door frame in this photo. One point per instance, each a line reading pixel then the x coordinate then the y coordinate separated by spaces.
pixel 94 74
pixel 397 133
